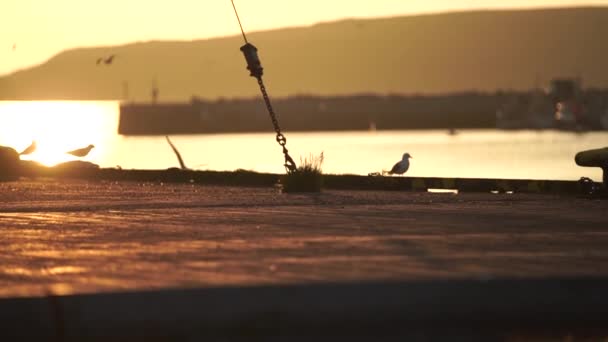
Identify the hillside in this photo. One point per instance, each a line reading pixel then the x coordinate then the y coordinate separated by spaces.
pixel 478 51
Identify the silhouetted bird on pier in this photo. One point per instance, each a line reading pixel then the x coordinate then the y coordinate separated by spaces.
pixel 81 152
pixel 400 167
pixel 106 61
pixel 29 149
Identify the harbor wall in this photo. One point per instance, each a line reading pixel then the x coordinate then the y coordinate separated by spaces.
pixel 316 113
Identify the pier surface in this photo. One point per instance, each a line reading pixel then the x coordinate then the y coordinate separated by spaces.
pixel 84 237
pixel 78 236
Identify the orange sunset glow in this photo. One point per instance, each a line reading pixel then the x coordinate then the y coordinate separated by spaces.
pixel 286 170
pixel 41 29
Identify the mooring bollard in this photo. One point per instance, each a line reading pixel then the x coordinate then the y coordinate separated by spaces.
pixel 594 158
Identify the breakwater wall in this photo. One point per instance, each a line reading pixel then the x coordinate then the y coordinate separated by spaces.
pixel 311 113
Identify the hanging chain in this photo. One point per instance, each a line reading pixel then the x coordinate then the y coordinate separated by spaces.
pixel 255 70
pixel 290 165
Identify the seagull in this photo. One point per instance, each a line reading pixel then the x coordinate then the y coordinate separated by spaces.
pixel 81 152
pixel 400 167
pixel 107 61
pixel 29 149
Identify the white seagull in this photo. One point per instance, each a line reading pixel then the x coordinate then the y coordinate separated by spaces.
pixel 81 152
pixel 29 149
pixel 400 167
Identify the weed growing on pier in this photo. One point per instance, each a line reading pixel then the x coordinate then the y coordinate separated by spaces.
pixel 308 177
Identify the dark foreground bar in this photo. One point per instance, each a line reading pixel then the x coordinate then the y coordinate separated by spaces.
pixel 432 310
pixel 338 182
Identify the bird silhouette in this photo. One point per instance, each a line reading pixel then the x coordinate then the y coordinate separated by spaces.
pixel 106 61
pixel 29 149
pixel 109 60
pixel 401 166
pixel 81 152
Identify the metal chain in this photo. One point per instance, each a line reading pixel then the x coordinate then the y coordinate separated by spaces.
pixel 290 165
pixel 256 70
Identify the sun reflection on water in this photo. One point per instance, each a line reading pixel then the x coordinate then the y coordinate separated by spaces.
pixel 61 126
pixel 56 127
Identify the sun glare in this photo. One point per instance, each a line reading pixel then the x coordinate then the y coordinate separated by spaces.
pixel 56 126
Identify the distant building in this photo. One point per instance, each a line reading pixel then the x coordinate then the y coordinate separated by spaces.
pixel 563 106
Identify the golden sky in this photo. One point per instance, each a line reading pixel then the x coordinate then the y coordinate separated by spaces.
pixel 35 30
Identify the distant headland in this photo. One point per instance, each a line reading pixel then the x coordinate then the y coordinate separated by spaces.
pixel 481 51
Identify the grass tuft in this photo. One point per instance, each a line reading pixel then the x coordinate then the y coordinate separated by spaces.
pixel 308 177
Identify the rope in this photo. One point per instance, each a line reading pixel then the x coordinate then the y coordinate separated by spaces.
pixel 239 20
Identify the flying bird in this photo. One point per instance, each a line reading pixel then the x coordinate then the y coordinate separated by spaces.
pixel 106 61
pixel 400 167
pixel 81 152
pixel 109 59
pixel 30 149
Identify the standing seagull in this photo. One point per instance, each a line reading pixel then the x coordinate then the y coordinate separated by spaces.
pixel 400 167
pixel 29 149
pixel 81 152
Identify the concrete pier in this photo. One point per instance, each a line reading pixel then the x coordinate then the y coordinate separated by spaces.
pixel 78 254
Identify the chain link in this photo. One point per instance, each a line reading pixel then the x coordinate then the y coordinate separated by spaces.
pixel 290 165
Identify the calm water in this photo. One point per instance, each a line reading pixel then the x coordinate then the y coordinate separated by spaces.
pixel 62 126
